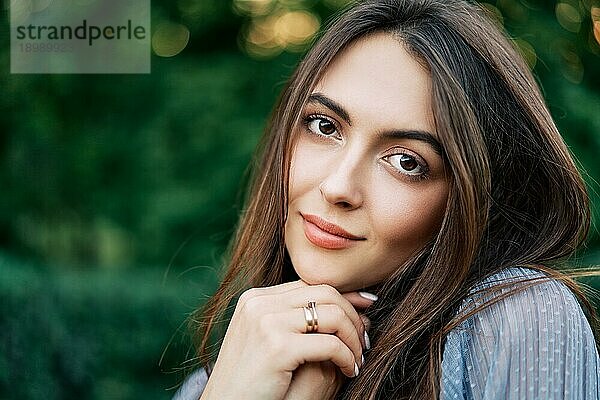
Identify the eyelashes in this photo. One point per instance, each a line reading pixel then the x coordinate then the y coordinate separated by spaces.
pixel 402 161
pixel 408 165
pixel 321 125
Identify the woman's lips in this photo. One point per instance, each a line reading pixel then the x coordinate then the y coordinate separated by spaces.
pixel 327 235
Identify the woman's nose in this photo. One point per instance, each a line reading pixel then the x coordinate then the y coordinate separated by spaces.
pixel 342 186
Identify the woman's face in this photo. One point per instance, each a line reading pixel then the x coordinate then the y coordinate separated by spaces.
pixel 367 186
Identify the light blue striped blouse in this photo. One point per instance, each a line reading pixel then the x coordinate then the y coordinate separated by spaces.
pixel 534 344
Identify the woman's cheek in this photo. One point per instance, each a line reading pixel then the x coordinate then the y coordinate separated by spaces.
pixel 412 217
pixel 306 167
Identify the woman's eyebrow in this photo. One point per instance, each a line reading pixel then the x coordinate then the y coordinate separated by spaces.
pixel 331 104
pixel 412 134
pixel 395 134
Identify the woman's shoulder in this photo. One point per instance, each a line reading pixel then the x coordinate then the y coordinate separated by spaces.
pixel 532 343
pixel 518 308
pixel 510 287
pixel 512 275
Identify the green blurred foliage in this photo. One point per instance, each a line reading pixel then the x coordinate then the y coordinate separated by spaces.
pixel 108 179
pixel 93 334
pixel 122 170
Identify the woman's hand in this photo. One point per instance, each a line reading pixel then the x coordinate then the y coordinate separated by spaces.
pixel 322 380
pixel 266 341
pixel 315 381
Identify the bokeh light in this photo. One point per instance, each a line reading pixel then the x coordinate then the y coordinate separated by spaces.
pixel 568 17
pixel 572 67
pixel 295 28
pixel 260 40
pixel 290 30
pixel 253 7
pixel 169 39
pixel 335 4
pixel 527 51
pixel 596 23
pixel 494 12
pixel 513 10
pixel 297 4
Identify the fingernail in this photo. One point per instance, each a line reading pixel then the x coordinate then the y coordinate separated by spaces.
pixel 368 296
pixel 367 341
pixel 355 370
pixel 362 359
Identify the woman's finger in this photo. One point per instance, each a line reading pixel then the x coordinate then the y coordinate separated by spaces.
pixel 366 321
pixel 277 289
pixel 360 300
pixel 295 295
pixel 322 347
pixel 331 320
pixel 323 294
pixel 260 298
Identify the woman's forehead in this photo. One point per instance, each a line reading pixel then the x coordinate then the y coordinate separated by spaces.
pixel 377 80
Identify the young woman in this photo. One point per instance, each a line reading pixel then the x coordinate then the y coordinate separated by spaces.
pixel 411 198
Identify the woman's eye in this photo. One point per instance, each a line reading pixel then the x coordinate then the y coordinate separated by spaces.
pixel 407 164
pixel 321 126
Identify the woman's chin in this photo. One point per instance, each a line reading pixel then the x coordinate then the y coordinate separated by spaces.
pixel 313 277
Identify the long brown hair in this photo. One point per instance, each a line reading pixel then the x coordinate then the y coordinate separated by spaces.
pixel 516 197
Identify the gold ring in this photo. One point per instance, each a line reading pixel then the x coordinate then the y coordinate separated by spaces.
pixel 310 321
pixel 313 309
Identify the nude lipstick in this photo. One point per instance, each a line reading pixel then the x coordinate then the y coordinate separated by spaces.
pixel 324 234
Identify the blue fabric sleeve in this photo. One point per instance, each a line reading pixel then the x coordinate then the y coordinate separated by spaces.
pixel 534 344
pixel 193 386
